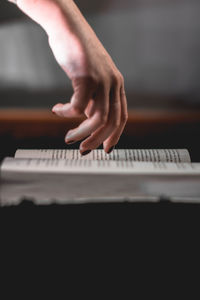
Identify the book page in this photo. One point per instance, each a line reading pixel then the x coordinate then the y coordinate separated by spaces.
pixel 48 166
pixel 148 155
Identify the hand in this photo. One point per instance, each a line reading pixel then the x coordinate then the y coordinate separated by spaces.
pixel 99 92
pixel 98 89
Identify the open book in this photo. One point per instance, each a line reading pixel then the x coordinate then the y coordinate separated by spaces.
pixel 64 175
pixel 122 161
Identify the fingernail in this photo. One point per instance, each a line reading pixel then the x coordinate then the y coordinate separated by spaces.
pixel 111 149
pixel 85 152
pixel 70 142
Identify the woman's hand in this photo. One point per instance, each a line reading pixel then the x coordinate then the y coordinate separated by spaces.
pixel 99 92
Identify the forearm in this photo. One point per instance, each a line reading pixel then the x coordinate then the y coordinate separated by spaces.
pixel 55 16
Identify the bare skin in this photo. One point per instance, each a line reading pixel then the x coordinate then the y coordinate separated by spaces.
pixel 98 85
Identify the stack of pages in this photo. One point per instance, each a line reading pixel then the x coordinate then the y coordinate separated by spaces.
pixel 64 176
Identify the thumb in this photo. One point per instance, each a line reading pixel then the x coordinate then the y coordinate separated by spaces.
pixel 83 92
pixel 84 88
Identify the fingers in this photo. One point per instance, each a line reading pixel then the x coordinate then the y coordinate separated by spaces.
pixel 83 91
pixel 110 133
pixel 115 136
pixel 65 110
pixel 97 118
pixel 106 114
pixel 113 122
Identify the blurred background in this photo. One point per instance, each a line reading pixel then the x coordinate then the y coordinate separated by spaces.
pixel 154 43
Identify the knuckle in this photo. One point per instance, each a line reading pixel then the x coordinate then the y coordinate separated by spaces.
pixel 117 78
pixel 121 77
pixel 122 92
pixel 115 122
pixel 102 119
pixel 77 108
pixel 124 117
